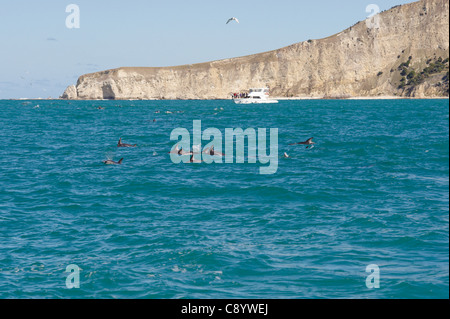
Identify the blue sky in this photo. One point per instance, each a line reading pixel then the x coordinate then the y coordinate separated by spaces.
pixel 40 56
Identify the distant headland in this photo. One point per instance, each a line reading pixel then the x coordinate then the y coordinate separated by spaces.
pixel 401 52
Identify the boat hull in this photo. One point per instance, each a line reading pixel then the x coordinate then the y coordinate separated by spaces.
pixel 254 101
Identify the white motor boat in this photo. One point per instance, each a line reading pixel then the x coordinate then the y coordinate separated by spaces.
pixel 256 96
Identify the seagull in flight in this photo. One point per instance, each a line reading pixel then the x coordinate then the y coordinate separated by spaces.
pixel 231 19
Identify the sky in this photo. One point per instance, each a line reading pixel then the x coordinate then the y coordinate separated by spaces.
pixel 40 56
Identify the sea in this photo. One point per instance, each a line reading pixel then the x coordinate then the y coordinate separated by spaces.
pixel 363 214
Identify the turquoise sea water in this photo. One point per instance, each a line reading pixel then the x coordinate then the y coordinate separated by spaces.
pixel 374 190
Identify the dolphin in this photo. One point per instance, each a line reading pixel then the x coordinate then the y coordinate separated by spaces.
pixel 179 150
pixel 111 162
pixel 212 152
pixel 175 150
pixel 308 142
pixel 120 144
pixel 192 160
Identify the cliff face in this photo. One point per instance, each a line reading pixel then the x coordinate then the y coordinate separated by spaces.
pixel 360 61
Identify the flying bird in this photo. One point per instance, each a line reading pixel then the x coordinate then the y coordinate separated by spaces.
pixel 231 19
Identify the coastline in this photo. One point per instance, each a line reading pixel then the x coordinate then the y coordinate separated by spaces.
pixel 387 97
